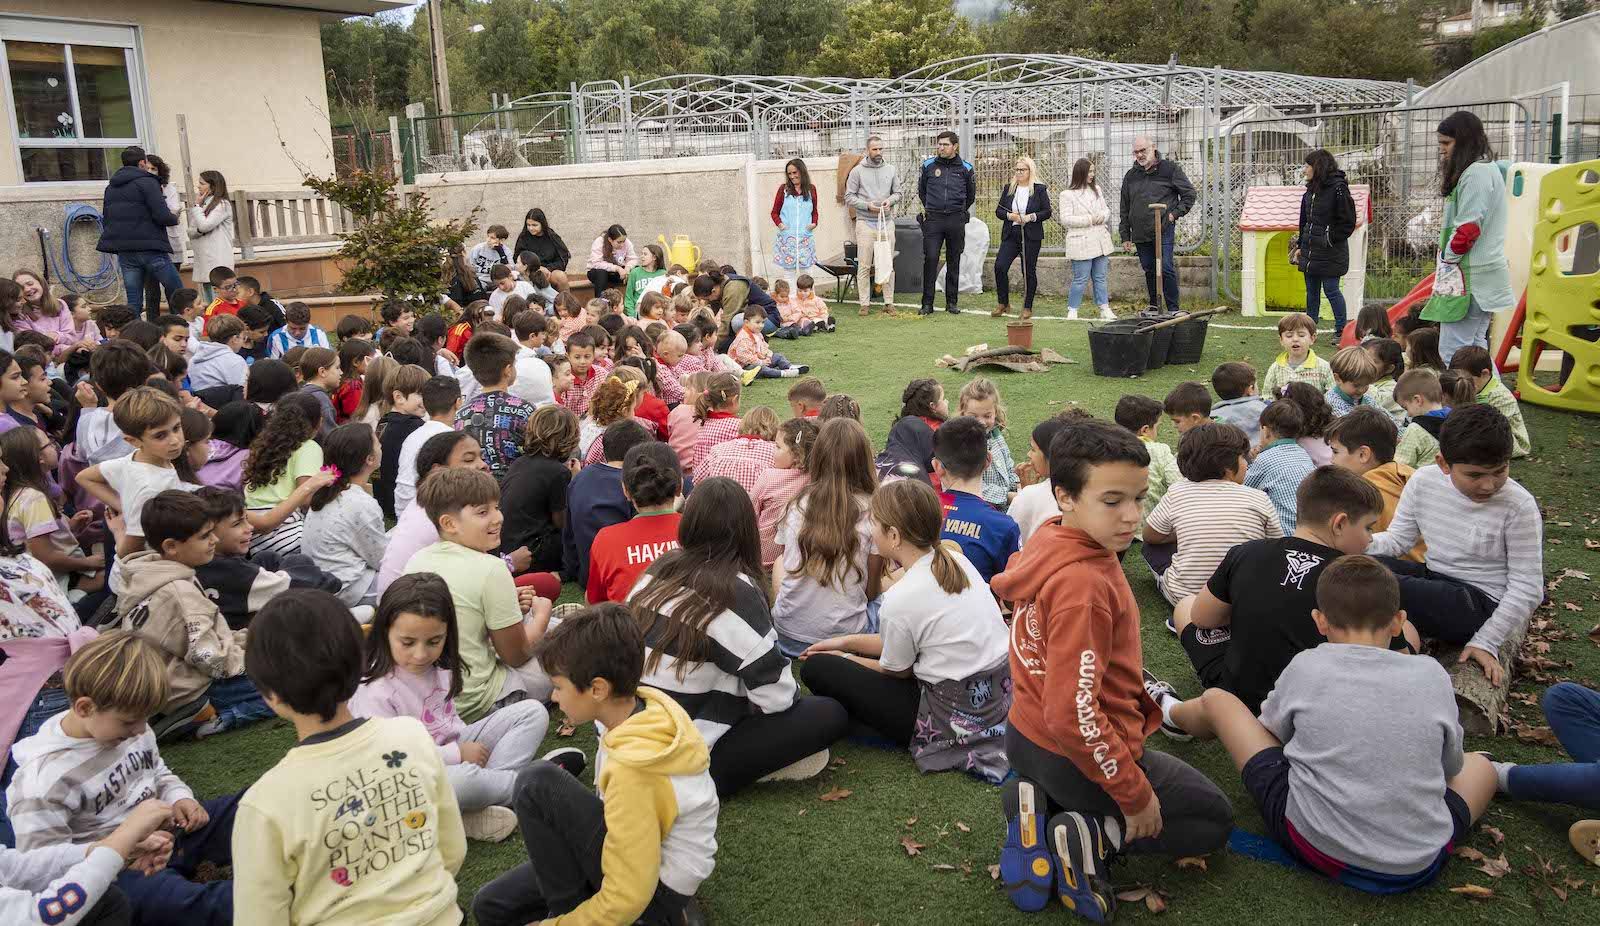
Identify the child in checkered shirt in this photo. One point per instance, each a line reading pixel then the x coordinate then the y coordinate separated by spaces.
pixel 1280 463
pixel 980 399
pixel 1355 369
pixel 748 455
pixel 1298 363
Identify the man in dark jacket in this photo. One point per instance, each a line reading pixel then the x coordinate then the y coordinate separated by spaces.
pixel 136 220
pixel 947 187
pixel 1153 179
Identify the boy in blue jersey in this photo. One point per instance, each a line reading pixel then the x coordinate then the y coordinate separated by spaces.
pixel 987 536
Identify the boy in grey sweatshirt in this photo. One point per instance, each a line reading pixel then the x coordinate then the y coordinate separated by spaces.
pixel 1355 745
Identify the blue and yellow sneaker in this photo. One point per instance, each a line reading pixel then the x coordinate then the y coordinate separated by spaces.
pixel 1024 858
pixel 1080 853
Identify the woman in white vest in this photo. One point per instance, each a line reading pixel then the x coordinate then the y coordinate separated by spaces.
pixel 1084 214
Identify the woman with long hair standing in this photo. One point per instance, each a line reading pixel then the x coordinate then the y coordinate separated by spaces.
pixel 794 212
pixel 610 258
pixel 1085 216
pixel 1471 279
pixel 211 229
pixel 1024 205
pixel 169 192
pixel 1322 250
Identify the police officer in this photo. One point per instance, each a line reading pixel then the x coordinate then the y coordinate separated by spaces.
pixel 947 187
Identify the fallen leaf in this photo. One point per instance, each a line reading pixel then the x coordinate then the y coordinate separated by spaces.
pixel 1595 634
pixel 1572 607
pixel 837 794
pixel 1133 894
pixel 1591 544
pixel 963 827
pixel 1194 861
pixel 966 869
pixel 1493 833
pixel 836 762
pixel 1475 891
pixel 911 822
pixel 911 846
pixel 942 866
pixel 802 812
pixel 1470 854
pixel 1542 736
pixel 994 872
pixel 1155 902
pixel 1574 574
pixel 566 729
pixel 1496 867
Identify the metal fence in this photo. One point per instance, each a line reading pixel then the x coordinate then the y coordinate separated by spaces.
pixel 538 133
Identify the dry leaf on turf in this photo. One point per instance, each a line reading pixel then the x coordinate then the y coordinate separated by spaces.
pixel 1194 861
pixel 837 794
pixel 963 827
pixel 911 822
pixel 1542 736
pixel 942 866
pixel 1475 891
pixel 1493 833
pixel 566 729
pixel 1572 607
pixel 1591 544
pixel 911 846
pixel 966 869
pixel 802 812
pixel 1496 867
pixel 994 872
pixel 1595 634
pixel 1574 574
pixel 1470 854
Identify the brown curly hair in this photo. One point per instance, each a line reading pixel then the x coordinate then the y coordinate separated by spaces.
pixel 551 432
pixel 614 401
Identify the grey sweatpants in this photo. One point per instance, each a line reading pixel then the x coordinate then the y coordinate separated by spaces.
pixel 512 735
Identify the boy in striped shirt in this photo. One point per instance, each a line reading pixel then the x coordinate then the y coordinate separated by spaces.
pixel 1485 571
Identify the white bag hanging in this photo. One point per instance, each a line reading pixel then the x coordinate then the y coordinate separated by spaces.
pixel 882 251
pixel 974 254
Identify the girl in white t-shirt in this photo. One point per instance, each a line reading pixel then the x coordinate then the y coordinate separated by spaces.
pixel 827 571
pixel 936 677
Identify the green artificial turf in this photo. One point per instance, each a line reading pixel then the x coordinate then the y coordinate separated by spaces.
pixel 785 856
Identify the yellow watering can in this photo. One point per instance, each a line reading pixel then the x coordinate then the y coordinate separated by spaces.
pixel 680 250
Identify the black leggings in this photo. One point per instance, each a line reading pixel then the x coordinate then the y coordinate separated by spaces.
pixel 603 279
pixel 882 702
pixel 761 744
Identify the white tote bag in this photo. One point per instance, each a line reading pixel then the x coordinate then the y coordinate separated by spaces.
pixel 882 252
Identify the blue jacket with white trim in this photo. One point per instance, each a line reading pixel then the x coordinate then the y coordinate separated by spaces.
pixel 947 185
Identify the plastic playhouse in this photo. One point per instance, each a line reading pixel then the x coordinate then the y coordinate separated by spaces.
pixel 1272 285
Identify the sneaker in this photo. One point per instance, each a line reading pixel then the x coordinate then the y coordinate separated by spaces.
pixel 1080 853
pixel 570 758
pixel 749 376
pixel 952 310
pixel 182 720
pixel 1106 314
pixel 790 373
pixel 1585 837
pixel 491 824
pixel 212 727
pixel 803 368
pixel 1024 858
pixel 1072 315
pixel 1159 691
pixel 809 767
pixel 1172 624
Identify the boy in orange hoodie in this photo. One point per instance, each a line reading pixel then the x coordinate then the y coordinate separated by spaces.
pixel 1080 711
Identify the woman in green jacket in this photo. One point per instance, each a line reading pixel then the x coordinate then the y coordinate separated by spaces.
pixel 1471 279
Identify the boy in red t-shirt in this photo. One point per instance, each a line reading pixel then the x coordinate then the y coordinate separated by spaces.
pixel 1080 708
pixel 354 355
pixel 653 481
pixel 226 285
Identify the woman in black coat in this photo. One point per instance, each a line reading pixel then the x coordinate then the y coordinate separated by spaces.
pixel 1024 205
pixel 1322 250
pixel 537 236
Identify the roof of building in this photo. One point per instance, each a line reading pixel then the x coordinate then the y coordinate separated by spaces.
pixel 1277 208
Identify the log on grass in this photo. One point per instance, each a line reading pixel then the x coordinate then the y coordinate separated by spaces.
pixel 1480 703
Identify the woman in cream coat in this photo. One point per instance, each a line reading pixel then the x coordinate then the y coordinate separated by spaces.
pixel 211 229
pixel 1084 213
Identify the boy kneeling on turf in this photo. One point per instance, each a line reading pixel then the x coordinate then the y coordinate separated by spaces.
pixel 638 850
pixel 1079 711
pixel 1370 796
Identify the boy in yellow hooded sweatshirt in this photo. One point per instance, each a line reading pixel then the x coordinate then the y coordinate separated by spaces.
pixel 636 851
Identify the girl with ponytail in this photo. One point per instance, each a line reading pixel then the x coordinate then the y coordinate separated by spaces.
pixel 940 653
pixel 344 530
pixel 617 399
pixel 716 410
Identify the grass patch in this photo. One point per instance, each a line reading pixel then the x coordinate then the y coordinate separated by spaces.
pixel 786 857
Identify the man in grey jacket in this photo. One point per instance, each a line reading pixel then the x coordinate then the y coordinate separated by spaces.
pixel 1153 179
pixel 872 190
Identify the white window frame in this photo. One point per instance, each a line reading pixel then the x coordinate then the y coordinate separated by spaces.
pixel 68 33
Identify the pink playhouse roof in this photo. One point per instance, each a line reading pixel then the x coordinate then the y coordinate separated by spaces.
pixel 1277 208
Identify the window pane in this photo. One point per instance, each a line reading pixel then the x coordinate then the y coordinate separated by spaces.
pixel 39 87
pixel 45 165
pixel 105 97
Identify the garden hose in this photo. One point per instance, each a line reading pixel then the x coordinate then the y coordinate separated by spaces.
pixel 105 278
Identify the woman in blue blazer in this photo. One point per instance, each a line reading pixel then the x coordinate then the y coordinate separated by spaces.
pixel 1023 207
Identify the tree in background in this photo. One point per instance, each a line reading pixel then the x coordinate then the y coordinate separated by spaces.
pixel 365 62
pixel 887 38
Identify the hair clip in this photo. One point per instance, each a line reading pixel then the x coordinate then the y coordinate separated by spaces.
pixel 332 470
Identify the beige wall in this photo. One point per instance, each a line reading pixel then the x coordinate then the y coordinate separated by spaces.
pixel 249 79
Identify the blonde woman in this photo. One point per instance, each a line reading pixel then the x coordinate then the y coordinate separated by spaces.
pixel 1084 214
pixel 1023 207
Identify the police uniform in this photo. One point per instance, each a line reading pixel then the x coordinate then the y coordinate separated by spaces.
pixel 948 188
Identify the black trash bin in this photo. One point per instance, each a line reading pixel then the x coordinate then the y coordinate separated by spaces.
pixel 908 256
pixel 1119 349
pixel 1160 339
pixel 1188 341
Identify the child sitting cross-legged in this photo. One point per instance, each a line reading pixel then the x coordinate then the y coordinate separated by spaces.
pixel 241 584
pixel 68 885
pixel 441 399
pixel 980 398
pixel 1298 363
pixel 534 492
pixel 935 677
pixel 1354 369
pixel 1363 442
pixel 1280 462
pixel 638 850
pixel 1421 393
pixel 1485 569
pixel 783 480
pixel 91 769
pixel 150 423
pixel 653 484
pixel 748 455
pixel 344 528
pixel 1330 723
pixel 716 411
pixel 1474 362
pixel 1142 416
pixel 217 364
pixel 33 518
pixel 1391 358
pixel 357 823
pixel 811 308
pixel 281 474
pixel 709 643
pixel 1315 417
pixel 1237 403
pixel 412 668
pixel 497 636
pixel 749 349
pixel 1189 407
pixel 163 602
pixel 1034 504
pixel 1254 613
pixel 1202 518
pixel 987 537
pixel 1082 755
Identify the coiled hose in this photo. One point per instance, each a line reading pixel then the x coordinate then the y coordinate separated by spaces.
pixel 106 276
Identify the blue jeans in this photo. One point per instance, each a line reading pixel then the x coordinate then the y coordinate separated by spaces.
pixel 169 897
pixel 237 702
pixel 774 367
pixel 136 265
pixel 1082 271
pixel 1315 287
pixel 46 704
pixel 793 648
pixel 1573 712
pixel 1472 330
pixel 1169 270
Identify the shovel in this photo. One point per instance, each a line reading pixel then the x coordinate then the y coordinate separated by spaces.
pixel 1160 210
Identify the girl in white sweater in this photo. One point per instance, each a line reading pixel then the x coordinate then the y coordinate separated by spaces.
pixel 1084 213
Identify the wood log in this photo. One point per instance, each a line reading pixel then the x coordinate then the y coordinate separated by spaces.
pixel 1481 704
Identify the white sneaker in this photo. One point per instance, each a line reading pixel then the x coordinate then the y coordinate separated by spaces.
pixel 809 767
pixel 1072 315
pixel 1106 314
pixel 491 824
